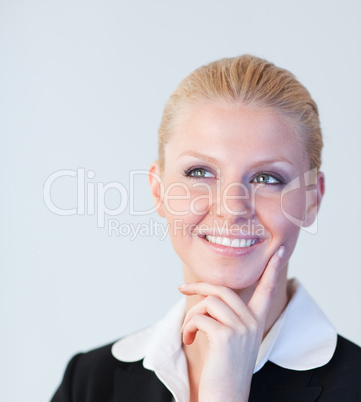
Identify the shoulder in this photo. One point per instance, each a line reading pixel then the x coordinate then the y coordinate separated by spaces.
pixel 91 375
pixel 99 358
pixel 338 380
pixel 344 368
pixel 98 362
pixel 347 350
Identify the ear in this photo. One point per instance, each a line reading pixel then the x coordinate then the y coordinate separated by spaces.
pixel 156 187
pixel 313 199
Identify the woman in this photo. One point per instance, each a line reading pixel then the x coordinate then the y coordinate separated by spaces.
pixel 237 176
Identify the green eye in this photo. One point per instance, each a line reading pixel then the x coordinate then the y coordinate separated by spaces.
pixel 266 179
pixel 199 172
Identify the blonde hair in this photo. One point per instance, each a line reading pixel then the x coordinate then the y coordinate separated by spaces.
pixel 253 83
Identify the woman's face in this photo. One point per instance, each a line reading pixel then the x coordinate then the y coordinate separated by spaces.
pixel 227 176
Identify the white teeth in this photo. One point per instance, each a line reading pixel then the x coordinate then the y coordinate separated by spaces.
pixel 226 241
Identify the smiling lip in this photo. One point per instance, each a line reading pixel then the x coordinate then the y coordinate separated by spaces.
pixel 247 244
pixel 231 242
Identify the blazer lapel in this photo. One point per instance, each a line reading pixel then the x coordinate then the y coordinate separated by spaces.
pixel 276 384
pixel 137 384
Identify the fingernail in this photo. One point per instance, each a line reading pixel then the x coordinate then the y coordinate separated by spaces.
pixel 281 252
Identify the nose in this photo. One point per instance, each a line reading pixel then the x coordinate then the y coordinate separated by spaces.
pixel 234 201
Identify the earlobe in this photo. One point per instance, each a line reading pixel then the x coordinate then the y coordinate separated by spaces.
pixel 156 187
pixel 313 200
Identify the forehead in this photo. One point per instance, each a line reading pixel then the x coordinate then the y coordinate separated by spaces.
pixel 232 133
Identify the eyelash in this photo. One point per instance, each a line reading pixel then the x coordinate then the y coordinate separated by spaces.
pixel 188 173
pixel 273 176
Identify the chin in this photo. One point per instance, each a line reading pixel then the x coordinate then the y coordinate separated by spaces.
pixel 231 277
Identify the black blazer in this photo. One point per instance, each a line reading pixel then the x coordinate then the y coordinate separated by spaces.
pixel 96 376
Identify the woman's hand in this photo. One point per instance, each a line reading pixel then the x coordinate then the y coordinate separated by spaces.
pixel 234 331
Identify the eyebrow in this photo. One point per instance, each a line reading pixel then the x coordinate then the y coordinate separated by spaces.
pixel 198 155
pixel 210 159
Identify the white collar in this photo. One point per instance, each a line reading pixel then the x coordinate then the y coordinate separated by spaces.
pixel 301 339
pixel 161 348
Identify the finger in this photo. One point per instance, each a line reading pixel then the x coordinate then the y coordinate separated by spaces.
pixel 217 309
pixel 225 294
pixel 262 296
pixel 200 322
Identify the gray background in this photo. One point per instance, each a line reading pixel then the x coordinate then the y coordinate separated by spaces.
pixel 83 85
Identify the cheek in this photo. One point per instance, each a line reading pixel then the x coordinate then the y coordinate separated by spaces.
pixel 281 215
pixel 188 202
pixel 293 205
pixel 176 199
pixel 200 200
pixel 185 207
